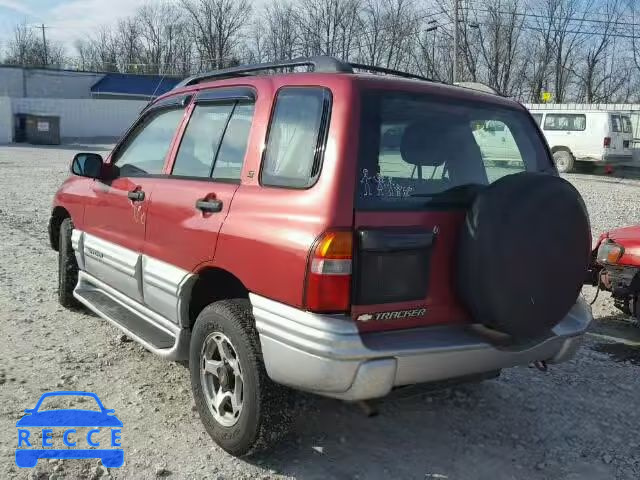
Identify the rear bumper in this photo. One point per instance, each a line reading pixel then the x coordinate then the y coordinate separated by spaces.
pixel 325 354
pixel 608 159
pixel 616 159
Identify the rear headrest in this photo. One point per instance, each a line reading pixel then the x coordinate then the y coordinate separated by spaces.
pixel 423 143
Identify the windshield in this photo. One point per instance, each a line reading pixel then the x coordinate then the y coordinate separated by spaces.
pixel 417 149
pixel 62 402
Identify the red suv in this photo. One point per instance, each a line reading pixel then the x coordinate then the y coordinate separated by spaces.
pixel 335 232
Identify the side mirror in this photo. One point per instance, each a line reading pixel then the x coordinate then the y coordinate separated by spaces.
pixel 87 165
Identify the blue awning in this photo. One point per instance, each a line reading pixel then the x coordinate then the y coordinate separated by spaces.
pixel 130 84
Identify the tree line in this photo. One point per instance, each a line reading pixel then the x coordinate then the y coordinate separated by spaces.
pixel 578 50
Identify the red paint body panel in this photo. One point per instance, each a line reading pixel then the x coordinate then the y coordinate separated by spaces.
pixel 266 238
pixel 72 196
pixel 112 216
pixel 441 303
pixel 177 232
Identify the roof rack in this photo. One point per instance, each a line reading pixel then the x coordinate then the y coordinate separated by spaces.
pixel 389 71
pixel 320 64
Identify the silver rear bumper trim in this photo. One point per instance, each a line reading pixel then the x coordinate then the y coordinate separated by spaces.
pixel 326 354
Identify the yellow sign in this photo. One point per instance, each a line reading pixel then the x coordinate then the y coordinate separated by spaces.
pixel 547 97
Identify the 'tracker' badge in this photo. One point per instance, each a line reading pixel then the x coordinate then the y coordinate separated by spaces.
pixel 84 433
pixel 396 315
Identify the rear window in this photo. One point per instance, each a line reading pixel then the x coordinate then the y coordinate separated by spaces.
pixel 616 123
pixel 565 121
pixel 626 125
pixel 418 150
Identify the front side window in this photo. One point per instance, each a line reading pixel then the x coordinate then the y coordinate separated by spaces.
pixel 145 149
pixel 626 125
pixel 418 150
pixel 296 137
pixel 565 121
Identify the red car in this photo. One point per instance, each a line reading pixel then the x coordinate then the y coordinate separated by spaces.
pixel 330 231
pixel 616 267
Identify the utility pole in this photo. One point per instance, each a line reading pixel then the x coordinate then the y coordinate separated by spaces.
pixel 44 44
pixel 456 39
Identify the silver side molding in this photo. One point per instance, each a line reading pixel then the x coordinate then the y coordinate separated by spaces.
pixel 159 286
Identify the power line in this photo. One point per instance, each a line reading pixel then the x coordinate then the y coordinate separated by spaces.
pixel 536 3
pixel 572 32
pixel 456 39
pixel 549 18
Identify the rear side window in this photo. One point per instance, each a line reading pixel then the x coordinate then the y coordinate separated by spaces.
pixel 419 150
pixel 200 141
pixel 295 145
pixel 565 121
pixel 144 150
pixel 626 125
pixel 230 158
pixel 214 142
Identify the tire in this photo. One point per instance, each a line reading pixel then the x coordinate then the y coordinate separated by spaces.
pixel 266 412
pixel 564 161
pixel 524 253
pixel 67 268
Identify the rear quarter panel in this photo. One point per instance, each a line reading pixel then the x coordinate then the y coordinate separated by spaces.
pixel 266 238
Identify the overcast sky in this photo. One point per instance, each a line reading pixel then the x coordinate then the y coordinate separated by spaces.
pixel 71 19
pixel 68 19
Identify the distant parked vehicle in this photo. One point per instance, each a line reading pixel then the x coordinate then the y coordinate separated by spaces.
pixel 615 267
pixel 592 137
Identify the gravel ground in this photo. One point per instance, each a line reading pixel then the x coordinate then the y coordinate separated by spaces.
pixel 578 421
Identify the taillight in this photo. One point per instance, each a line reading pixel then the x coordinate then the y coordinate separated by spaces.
pixel 607 142
pixel 328 287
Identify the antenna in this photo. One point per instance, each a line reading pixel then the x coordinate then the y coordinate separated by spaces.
pixel 154 92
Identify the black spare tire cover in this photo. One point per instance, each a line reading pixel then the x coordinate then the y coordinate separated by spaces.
pixel 523 254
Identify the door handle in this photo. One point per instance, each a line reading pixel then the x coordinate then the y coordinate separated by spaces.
pixel 136 195
pixel 210 205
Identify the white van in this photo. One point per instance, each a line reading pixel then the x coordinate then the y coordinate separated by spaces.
pixel 595 136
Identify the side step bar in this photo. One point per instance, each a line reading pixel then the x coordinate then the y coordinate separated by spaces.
pixel 157 334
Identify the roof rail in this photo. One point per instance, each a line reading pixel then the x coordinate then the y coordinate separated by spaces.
pixel 481 87
pixel 389 71
pixel 321 64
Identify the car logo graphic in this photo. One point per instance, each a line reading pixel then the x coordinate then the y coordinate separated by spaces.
pixel 35 430
pixel 365 317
